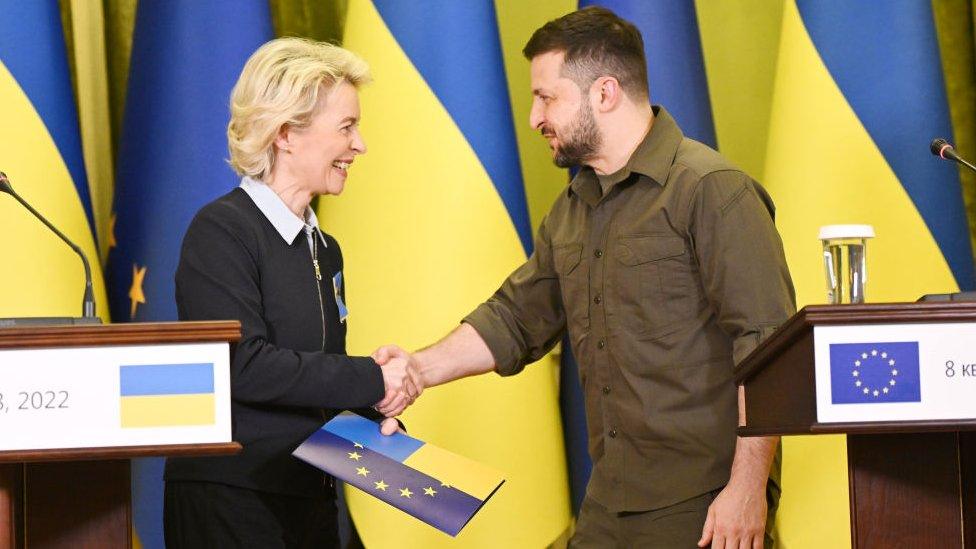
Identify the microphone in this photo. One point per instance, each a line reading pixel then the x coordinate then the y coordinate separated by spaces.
pixel 944 150
pixel 88 301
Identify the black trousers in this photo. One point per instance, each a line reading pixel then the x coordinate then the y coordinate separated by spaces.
pixel 211 515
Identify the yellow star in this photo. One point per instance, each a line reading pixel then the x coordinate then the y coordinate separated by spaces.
pixel 381 485
pixel 362 471
pixel 111 231
pixel 354 455
pixel 405 492
pixel 429 491
pixel 135 292
pixel 357 445
pixel 446 485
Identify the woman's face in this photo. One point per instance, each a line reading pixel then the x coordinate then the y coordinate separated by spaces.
pixel 318 156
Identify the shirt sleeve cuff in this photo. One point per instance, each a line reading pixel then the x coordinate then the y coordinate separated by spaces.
pixel 375 387
pixel 745 344
pixel 496 334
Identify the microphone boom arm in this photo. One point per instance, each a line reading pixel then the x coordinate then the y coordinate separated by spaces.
pixel 88 301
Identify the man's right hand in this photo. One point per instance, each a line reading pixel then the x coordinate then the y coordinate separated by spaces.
pixel 462 353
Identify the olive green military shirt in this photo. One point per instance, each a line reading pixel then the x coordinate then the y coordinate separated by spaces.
pixel 664 283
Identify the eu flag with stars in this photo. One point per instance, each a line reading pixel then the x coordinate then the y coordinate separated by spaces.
pixel 186 57
pixel 440 488
pixel 874 372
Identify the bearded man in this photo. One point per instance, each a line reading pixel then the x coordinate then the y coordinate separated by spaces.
pixel 663 263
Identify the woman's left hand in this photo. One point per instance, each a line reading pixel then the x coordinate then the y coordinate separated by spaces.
pixel 389 426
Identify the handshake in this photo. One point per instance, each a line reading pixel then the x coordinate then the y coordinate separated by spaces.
pixel 401 377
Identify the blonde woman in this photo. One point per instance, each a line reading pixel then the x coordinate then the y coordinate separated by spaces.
pixel 257 255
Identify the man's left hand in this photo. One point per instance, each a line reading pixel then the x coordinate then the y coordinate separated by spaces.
pixel 736 519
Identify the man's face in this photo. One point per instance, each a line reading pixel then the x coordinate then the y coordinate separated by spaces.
pixel 562 112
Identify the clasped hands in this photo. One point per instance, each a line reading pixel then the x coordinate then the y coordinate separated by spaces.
pixel 402 378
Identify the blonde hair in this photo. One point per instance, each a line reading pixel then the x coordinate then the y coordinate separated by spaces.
pixel 281 84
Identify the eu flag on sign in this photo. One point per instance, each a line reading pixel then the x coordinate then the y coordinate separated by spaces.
pixel 874 372
pixel 436 486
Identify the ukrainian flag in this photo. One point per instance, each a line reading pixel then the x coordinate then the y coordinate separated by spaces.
pixel 858 95
pixel 40 151
pixel 166 395
pixel 675 64
pixel 433 219
pixel 438 487
pixel 186 57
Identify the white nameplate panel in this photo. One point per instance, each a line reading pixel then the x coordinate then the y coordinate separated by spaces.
pixel 895 372
pixel 132 395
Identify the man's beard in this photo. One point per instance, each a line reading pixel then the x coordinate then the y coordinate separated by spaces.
pixel 582 141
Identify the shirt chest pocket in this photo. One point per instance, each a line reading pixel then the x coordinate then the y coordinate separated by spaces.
pixel 572 271
pixel 655 280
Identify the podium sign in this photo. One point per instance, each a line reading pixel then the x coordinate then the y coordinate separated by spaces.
pixel 898 380
pixel 125 395
pixel 77 402
pixel 895 372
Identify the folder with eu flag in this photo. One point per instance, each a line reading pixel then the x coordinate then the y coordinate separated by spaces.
pixel 436 486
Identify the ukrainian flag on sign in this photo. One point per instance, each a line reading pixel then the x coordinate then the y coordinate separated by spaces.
pixel 40 150
pixel 166 395
pixel 858 96
pixel 438 487
pixel 438 202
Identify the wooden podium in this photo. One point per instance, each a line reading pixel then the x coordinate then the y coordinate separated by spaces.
pixel 911 463
pixel 79 496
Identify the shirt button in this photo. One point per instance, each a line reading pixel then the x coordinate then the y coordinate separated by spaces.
pixel 613 433
pixel 606 390
pixel 598 253
pixel 601 344
pixel 597 299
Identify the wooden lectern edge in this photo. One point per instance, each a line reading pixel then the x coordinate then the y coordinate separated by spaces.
pixel 119 452
pixel 780 430
pixel 879 427
pixel 827 315
pixel 124 333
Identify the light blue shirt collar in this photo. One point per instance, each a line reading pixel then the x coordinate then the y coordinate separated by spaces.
pixel 281 217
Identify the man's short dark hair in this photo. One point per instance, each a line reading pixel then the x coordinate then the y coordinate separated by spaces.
pixel 596 43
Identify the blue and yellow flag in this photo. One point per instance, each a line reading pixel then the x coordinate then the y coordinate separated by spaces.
pixel 40 151
pixel 158 395
pixel 432 220
pixel 675 65
pixel 886 371
pixel 438 487
pixel 186 58
pixel 858 95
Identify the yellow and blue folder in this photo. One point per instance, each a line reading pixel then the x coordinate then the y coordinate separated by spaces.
pixel 438 487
